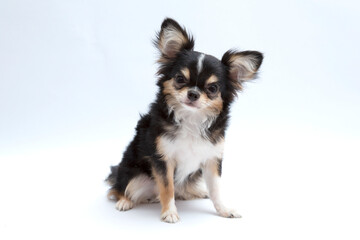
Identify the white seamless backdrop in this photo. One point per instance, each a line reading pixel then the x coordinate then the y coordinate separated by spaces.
pixel 74 76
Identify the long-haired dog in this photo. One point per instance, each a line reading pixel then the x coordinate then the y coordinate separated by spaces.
pixel 178 147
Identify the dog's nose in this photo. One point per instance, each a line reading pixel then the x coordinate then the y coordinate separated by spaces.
pixel 193 95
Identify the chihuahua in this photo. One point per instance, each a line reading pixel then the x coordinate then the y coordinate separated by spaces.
pixel 177 150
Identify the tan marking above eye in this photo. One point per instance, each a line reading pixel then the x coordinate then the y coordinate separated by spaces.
pixel 186 73
pixel 212 79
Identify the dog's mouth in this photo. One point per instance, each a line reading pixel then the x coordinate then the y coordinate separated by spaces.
pixel 191 105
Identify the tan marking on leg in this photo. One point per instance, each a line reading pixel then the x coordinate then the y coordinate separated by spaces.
pixel 113 194
pixel 167 196
pixel 166 189
pixel 165 184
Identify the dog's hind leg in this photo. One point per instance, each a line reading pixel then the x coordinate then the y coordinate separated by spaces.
pixel 142 189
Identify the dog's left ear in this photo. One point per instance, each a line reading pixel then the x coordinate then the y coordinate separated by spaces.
pixel 242 66
pixel 172 39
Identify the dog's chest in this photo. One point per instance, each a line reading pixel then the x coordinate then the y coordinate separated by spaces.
pixel 189 151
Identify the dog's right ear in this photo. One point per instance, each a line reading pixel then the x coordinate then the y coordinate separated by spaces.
pixel 172 39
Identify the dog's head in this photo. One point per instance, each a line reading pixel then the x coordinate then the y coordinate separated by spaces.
pixel 195 82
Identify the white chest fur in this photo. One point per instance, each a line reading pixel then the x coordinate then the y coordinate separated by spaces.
pixel 188 151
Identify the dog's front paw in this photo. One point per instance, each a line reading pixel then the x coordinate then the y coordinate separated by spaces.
pixel 170 216
pixel 228 213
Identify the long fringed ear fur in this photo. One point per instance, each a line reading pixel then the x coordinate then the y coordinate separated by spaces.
pixel 172 39
pixel 242 66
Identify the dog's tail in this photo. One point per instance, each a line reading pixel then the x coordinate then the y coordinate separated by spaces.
pixel 111 179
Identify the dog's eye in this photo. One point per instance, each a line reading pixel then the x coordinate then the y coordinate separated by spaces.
pixel 213 89
pixel 180 79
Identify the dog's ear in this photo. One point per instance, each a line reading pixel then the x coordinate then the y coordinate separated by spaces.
pixel 172 39
pixel 241 66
